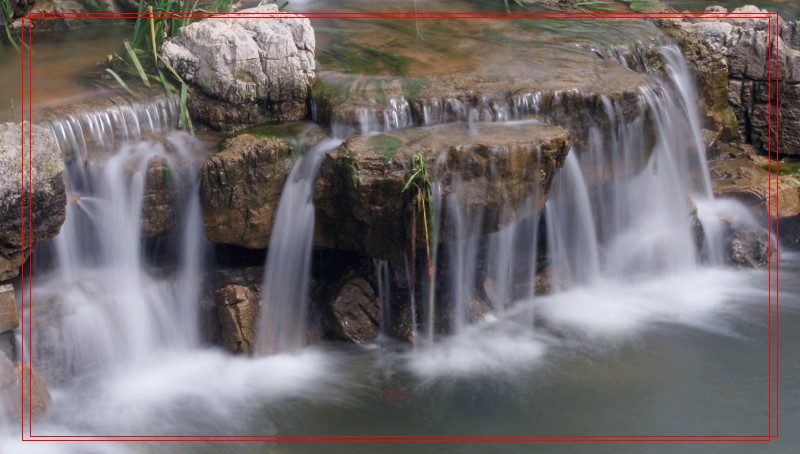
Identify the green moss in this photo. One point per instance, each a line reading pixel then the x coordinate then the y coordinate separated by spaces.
pixel 385 145
pixel 784 168
pixel 646 5
pixel 412 88
pixel 166 176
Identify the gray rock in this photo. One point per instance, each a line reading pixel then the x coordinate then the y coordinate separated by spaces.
pixel 353 312
pixel 748 246
pixel 246 70
pixel 743 45
pixel 48 196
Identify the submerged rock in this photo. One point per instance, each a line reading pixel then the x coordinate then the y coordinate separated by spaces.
pixel 246 70
pixel 237 308
pixel 48 198
pixel 352 312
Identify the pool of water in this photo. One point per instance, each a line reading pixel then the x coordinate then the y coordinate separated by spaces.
pixel 688 362
pixel 66 68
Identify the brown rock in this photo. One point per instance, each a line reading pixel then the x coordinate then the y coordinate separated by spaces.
pixel 48 199
pixel 237 308
pixel 12 379
pixel 158 202
pixel 240 188
pixel 360 201
pixel 8 309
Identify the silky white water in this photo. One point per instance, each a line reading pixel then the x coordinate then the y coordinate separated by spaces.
pixel 639 325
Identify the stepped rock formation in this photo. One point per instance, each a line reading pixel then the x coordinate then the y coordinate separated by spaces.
pixel 246 70
pixel 359 197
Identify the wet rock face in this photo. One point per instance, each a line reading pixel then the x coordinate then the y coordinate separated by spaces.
pixel 748 247
pixel 48 199
pixel 743 45
pixel 739 172
pixel 359 198
pixel 237 308
pixel 490 172
pixel 246 70
pixel 158 203
pixel 240 188
pixel 352 312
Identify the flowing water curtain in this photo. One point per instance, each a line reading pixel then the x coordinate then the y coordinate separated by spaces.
pixel 282 323
pixel 117 310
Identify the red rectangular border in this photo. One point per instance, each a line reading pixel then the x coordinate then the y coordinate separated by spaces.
pixel 772 391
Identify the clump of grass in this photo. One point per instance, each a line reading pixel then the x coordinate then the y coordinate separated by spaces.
pixel 7 10
pixel 420 182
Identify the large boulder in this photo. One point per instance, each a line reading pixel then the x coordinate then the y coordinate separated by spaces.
pixel 748 246
pixel 246 70
pixel 48 197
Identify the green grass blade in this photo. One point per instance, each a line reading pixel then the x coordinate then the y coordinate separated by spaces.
pixel 121 82
pixel 137 64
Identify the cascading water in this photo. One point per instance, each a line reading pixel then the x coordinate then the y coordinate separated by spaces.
pixel 114 308
pixel 282 324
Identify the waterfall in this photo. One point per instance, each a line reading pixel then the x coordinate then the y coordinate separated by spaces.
pixel 643 224
pixel 282 319
pixel 384 290
pixel 114 308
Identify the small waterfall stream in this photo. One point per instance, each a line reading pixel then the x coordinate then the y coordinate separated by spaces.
pixel 282 320
pixel 116 309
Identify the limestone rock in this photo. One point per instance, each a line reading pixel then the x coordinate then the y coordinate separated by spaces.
pixel 353 312
pixel 751 62
pixel 237 308
pixel 246 70
pixel 48 199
